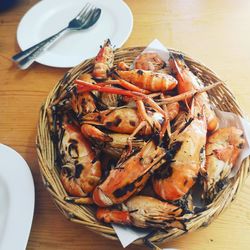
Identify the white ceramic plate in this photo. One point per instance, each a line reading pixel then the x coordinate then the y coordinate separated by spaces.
pixel 16 200
pixel 49 16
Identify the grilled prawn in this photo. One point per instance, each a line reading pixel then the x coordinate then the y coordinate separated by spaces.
pixel 184 158
pixel 149 61
pixel 222 150
pixel 129 176
pixel 188 81
pixel 81 171
pixel 125 119
pixel 145 211
pixel 83 103
pixel 111 143
pixel 103 61
pixel 149 80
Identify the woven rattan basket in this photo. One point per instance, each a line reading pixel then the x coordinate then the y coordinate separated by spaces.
pixel 220 96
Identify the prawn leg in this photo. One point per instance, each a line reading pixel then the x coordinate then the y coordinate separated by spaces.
pixel 166 125
pixel 188 94
pixel 127 85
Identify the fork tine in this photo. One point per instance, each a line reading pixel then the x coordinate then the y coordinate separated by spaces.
pixel 92 13
pixel 83 11
pixel 87 15
pixel 90 16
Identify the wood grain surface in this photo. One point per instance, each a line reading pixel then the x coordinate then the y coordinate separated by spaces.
pixel 216 33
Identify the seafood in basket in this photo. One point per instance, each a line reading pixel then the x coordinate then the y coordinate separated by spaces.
pixel 137 141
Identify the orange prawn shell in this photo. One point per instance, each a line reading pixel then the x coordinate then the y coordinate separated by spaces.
pixel 155 82
pixel 184 167
pixel 173 109
pixel 108 216
pixel 222 150
pixel 71 186
pixel 81 155
pixel 144 211
pixel 103 61
pixel 128 178
pixel 187 81
pixel 232 139
pixel 119 120
pixel 149 61
pixel 83 103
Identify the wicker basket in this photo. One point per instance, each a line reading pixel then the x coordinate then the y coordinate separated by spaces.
pixel 221 97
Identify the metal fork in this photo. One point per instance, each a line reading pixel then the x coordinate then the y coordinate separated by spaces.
pixel 87 17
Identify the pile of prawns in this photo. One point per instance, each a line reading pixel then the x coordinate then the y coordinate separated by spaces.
pixel 122 127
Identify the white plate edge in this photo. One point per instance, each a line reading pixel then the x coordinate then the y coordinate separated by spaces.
pixel 12 215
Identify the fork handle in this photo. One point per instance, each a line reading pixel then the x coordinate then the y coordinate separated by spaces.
pixel 27 57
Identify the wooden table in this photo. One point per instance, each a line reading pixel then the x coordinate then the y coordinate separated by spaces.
pixel 214 32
